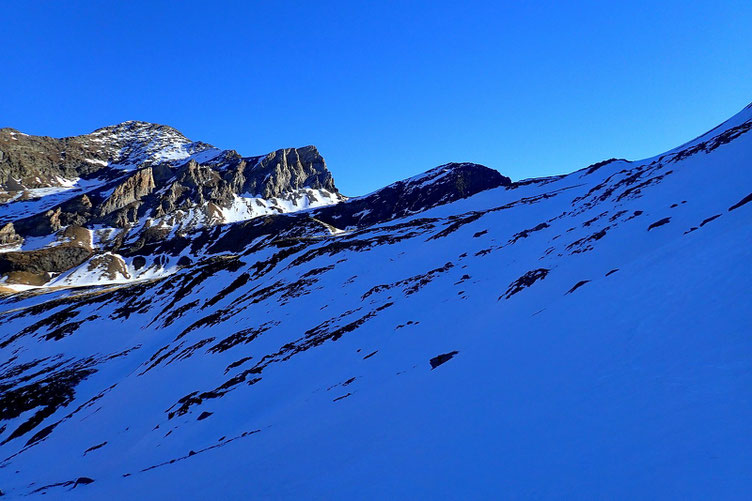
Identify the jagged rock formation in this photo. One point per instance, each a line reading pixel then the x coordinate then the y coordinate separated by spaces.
pixel 128 192
pixel 452 334
pixel 8 236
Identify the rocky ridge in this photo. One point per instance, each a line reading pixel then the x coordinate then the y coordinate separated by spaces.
pixel 140 189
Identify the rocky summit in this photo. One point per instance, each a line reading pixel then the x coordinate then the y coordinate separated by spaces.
pixel 183 322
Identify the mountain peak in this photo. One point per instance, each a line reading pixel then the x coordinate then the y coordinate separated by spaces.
pixel 135 143
pixel 138 126
pixel 465 171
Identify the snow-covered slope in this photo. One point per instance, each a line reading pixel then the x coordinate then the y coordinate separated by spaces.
pixel 582 336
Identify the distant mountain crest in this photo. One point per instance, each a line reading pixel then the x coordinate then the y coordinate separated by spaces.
pixel 134 144
pixel 134 187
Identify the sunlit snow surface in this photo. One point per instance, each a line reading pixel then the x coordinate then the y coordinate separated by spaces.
pixel 304 372
pixel 33 201
pixel 246 207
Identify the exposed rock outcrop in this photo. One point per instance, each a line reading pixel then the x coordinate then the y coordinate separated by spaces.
pixel 441 185
pixel 8 236
pixel 51 259
pixel 285 170
pixel 131 190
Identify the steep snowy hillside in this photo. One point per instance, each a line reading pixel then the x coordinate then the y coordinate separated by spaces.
pixel 452 335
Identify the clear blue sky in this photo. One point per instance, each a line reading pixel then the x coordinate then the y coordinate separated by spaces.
pixel 386 89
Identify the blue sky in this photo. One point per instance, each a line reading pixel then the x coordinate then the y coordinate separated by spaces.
pixel 386 89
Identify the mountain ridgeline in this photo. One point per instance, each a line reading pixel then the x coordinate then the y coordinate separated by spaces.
pixel 180 321
pixel 96 201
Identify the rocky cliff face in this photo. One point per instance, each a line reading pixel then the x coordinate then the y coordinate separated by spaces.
pixel 280 172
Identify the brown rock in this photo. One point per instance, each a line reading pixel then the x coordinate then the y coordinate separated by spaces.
pixel 8 235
